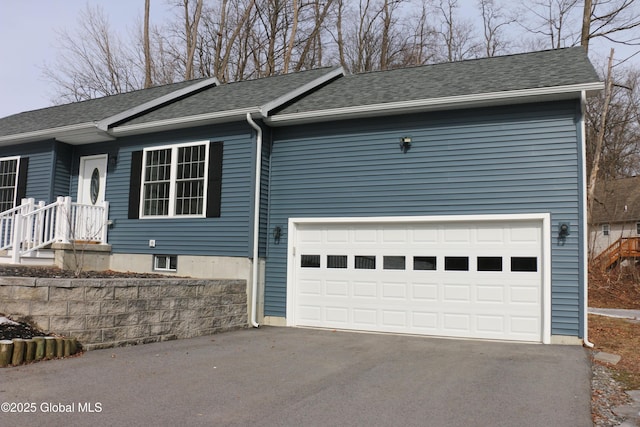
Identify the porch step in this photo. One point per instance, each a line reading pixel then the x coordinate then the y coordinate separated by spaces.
pixel 42 257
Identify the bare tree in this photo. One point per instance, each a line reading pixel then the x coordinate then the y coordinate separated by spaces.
pixel 553 21
pixel 191 33
pixel 494 22
pixel 610 19
pixel 311 52
pixel 620 149
pixel 147 46
pixel 599 138
pixel 458 40
pixel 94 62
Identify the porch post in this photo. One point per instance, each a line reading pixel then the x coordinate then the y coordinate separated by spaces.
pixel 63 219
pixel 18 227
pixel 105 221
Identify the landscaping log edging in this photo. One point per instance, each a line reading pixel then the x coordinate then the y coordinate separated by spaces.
pixel 17 351
pixel 104 313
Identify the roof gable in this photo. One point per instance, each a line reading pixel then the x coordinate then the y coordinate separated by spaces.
pixel 170 106
pixel 617 201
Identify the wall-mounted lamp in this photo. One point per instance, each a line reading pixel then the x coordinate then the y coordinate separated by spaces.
pixel 277 233
pixel 563 232
pixel 405 143
pixel 113 160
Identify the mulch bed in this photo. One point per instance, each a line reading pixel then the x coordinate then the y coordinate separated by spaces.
pixel 9 331
pixel 57 273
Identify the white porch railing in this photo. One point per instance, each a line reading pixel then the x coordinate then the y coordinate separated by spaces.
pixel 30 226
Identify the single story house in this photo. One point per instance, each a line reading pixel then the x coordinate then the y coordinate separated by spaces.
pixel 444 200
pixel 615 216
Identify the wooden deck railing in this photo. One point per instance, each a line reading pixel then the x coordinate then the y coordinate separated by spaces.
pixel 624 247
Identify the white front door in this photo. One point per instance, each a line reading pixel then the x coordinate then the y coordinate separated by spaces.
pixel 92 179
pixel 92 182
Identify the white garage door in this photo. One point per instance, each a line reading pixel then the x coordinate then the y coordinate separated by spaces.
pixel 479 279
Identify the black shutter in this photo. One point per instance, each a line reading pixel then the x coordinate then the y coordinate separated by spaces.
pixel 21 187
pixel 134 184
pixel 214 184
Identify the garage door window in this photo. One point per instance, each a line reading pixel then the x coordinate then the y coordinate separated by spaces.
pixel 424 263
pixel 529 264
pixel 365 262
pixel 393 262
pixel 489 263
pixel 456 263
pixel 336 261
pixel 310 261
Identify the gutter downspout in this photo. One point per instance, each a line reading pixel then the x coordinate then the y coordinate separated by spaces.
pixel 256 223
pixel 585 234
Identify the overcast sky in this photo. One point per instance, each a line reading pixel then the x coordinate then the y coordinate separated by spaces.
pixel 28 41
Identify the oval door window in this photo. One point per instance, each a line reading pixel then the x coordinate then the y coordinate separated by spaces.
pixel 95 186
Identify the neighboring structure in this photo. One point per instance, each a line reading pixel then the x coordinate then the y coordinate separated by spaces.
pixel 442 200
pixel 615 221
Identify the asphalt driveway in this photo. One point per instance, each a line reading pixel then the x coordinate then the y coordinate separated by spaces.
pixel 303 377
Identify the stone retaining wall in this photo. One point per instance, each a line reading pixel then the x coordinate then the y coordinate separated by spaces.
pixel 102 313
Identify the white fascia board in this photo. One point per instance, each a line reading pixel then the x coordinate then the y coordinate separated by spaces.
pixel 281 100
pixel 105 124
pixel 462 101
pixel 81 133
pixel 187 121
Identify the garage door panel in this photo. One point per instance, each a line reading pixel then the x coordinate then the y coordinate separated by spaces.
pixel 367 318
pixel 365 289
pixel 456 293
pixel 490 294
pixel 394 290
pixel 394 318
pixel 394 278
pixel 337 288
pixel 490 324
pixel 458 322
pixel 310 287
pixel 424 235
pixel 425 291
pixel 337 315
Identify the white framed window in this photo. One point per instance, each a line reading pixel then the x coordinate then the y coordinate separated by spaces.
pixel 165 262
pixel 8 182
pixel 605 229
pixel 637 227
pixel 174 180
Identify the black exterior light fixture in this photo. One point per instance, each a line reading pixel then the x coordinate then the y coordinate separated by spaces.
pixel 277 234
pixel 563 232
pixel 113 161
pixel 405 143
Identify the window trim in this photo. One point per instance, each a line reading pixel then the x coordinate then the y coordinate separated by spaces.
pixel 173 172
pixel 17 179
pixel 606 229
pixel 167 258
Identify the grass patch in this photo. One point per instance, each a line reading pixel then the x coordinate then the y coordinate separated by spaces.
pixel 621 337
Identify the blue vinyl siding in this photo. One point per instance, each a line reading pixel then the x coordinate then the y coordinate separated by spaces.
pixel 517 159
pixel 62 172
pixel 41 172
pixel 227 235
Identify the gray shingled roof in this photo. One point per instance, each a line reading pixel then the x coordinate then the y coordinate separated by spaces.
pixel 617 201
pixel 507 73
pixel 503 73
pixel 82 112
pixel 232 96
